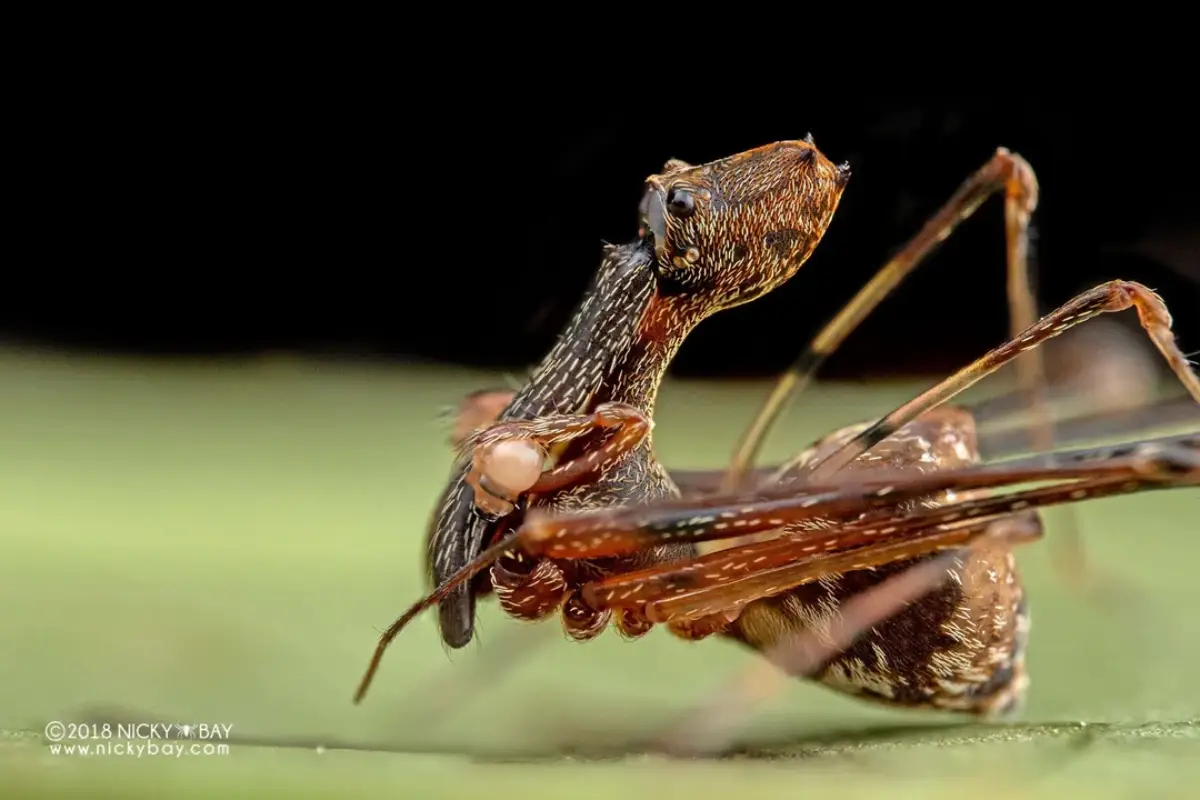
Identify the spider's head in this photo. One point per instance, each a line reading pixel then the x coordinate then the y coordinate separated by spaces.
pixel 729 231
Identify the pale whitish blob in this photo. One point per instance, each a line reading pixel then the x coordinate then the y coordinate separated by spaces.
pixel 503 470
pixel 513 466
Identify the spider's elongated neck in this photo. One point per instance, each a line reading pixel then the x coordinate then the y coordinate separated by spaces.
pixel 636 378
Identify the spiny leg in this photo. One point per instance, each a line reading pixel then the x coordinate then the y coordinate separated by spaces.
pixel 718 584
pixel 1005 171
pixel 845 499
pixel 729 584
pixel 728 579
pixel 630 529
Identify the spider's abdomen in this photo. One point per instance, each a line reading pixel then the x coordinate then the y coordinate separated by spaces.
pixel 959 648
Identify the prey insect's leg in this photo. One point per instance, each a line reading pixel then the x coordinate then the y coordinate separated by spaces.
pixel 508 458
pixel 1106 298
pixel 1005 171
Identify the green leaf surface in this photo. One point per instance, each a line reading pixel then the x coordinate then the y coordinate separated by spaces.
pixel 222 543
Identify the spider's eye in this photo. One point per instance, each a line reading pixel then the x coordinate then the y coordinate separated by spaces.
pixel 681 202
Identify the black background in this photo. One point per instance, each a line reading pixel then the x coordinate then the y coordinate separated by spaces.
pixel 462 226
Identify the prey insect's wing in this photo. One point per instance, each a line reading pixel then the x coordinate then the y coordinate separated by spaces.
pixel 1002 433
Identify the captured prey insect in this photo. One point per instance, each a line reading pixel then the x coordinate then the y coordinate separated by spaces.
pixel 560 507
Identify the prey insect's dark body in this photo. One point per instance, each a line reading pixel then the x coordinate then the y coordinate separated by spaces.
pixel 561 508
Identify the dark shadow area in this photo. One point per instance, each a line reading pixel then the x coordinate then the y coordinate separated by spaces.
pixel 462 225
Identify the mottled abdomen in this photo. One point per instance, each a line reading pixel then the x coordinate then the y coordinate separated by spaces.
pixel 960 647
